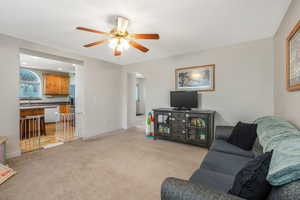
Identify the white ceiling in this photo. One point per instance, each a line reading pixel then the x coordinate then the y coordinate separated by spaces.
pixel 36 62
pixel 184 25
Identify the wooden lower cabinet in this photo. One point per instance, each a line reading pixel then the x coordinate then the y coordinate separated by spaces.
pixel 31 112
pixel 29 127
pixel 64 109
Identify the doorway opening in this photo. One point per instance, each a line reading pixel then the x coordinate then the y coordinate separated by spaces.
pixel 47 97
pixel 140 101
pixel 136 102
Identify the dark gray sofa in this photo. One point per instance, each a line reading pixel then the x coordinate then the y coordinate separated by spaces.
pixel 216 174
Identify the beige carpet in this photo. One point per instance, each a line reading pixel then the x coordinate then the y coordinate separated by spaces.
pixel 121 166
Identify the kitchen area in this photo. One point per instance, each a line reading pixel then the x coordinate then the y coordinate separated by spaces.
pixel 47 102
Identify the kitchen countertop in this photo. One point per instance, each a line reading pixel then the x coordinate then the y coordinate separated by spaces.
pixel 23 107
pixel 26 105
pixel 45 102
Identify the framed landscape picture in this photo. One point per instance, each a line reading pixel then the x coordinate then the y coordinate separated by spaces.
pixel 197 78
pixel 293 59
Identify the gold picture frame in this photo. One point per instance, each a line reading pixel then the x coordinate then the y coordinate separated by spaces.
pixel 196 78
pixel 293 59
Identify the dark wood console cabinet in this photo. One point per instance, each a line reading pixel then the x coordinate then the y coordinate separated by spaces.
pixel 187 126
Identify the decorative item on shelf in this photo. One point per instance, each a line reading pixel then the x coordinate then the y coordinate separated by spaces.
pixel 198 123
pixel 197 78
pixel 161 129
pixel 193 122
pixel 203 134
pixel 150 125
pixel 165 130
pixel 293 59
pixel 201 123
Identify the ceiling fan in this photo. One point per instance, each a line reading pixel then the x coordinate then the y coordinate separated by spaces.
pixel 120 39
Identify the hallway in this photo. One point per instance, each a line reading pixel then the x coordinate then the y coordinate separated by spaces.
pixel 141 122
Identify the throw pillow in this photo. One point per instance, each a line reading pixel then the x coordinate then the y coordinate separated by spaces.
pixel 243 135
pixel 250 183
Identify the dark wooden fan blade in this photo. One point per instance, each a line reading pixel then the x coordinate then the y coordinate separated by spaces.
pixel 138 46
pixel 92 30
pixel 144 36
pixel 96 43
pixel 117 53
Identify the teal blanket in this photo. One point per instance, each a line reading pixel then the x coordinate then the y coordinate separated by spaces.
pixel 272 130
pixel 284 139
pixel 285 162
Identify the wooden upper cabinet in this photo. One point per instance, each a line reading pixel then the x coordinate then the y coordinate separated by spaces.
pixel 51 84
pixel 55 84
pixel 64 85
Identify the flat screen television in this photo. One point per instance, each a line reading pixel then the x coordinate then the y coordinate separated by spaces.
pixel 184 99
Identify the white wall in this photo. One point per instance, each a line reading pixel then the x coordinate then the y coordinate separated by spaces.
pixel 98 91
pixel 102 97
pixel 9 105
pixel 244 80
pixel 286 103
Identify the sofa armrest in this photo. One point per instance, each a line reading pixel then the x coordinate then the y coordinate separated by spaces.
pixel 177 189
pixel 223 132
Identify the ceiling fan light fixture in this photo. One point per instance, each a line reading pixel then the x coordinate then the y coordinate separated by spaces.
pixel 120 39
pixel 119 43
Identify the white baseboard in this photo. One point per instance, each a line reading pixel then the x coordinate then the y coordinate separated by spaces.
pixel 103 134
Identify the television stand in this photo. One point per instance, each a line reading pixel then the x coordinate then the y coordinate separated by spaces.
pixel 194 127
pixel 182 108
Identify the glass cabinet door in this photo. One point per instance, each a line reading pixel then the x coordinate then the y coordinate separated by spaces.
pixel 197 129
pixel 179 126
pixel 163 123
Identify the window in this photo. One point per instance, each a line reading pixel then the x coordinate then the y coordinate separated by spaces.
pixel 30 84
